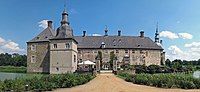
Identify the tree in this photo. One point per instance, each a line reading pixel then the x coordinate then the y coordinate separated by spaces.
pixel 112 57
pixel 168 63
pixel 13 59
pixel 99 56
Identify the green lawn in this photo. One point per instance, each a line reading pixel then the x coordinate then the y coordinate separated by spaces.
pixel 12 69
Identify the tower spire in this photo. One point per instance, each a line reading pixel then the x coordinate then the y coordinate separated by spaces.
pixel 106 31
pixel 157 34
pixel 65 15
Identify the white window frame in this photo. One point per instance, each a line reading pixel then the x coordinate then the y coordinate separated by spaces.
pixel 33 47
pixel 75 59
pixel 67 45
pixel 55 45
pixel 33 59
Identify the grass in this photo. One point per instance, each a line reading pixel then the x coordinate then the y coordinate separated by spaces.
pixel 13 69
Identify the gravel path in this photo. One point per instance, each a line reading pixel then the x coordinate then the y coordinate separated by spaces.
pixel 111 83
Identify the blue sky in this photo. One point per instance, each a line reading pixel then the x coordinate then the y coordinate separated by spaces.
pixel 179 21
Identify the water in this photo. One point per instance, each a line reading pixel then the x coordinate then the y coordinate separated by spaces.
pixel 4 76
pixel 196 74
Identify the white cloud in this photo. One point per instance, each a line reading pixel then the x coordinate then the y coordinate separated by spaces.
pixel 185 35
pixel 168 34
pixel 192 52
pixel 172 35
pixel 1 41
pixel 43 24
pixel 8 46
pixel 96 35
pixel 175 50
pixel 193 44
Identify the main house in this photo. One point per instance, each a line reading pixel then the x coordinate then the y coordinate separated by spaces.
pixel 60 51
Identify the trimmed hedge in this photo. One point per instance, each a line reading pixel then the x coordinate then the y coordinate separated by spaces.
pixel 153 69
pixel 13 69
pixel 184 81
pixel 45 82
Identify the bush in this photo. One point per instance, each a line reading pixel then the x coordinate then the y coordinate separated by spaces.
pixel 45 82
pixel 179 80
pixel 153 69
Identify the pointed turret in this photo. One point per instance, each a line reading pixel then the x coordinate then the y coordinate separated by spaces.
pixel 64 31
pixel 106 31
pixel 156 35
pixel 64 18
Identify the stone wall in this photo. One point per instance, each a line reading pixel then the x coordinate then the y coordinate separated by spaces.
pixel 133 56
pixel 42 57
pixel 62 59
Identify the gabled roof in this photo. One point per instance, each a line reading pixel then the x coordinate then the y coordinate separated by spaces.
pixel 118 42
pixel 45 35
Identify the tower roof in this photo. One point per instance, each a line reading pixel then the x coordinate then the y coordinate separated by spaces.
pixel 64 31
pixel 45 35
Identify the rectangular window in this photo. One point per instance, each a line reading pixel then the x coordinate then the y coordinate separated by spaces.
pixel 54 45
pixel 126 51
pixel 33 47
pixel 79 51
pixel 117 51
pixel 141 52
pixel 95 51
pixel 74 58
pixel 106 51
pixel 133 51
pixel 67 45
pixel 33 59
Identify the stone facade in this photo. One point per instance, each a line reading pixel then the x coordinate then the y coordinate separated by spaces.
pixel 60 51
pixel 63 58
pixel 133 56
pixel 38 57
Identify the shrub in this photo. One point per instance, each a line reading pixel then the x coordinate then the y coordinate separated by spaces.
pixel 45 82
pixel 179 80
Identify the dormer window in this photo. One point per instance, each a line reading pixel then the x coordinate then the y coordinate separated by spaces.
pixel 54 45
pixel 67 45
pixel 103 45
pixel 120 41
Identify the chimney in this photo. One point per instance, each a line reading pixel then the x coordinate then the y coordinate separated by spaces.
pixel 161 42
pixel 50 24
pixel 84 33
pixel 119 32
pixel 142 34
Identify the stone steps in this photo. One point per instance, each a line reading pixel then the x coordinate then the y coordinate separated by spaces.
pixel 106 71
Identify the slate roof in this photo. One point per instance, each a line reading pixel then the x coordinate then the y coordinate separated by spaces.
pixel 64 31
pixel 131 42
pixel 44 36
pixel 94 42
